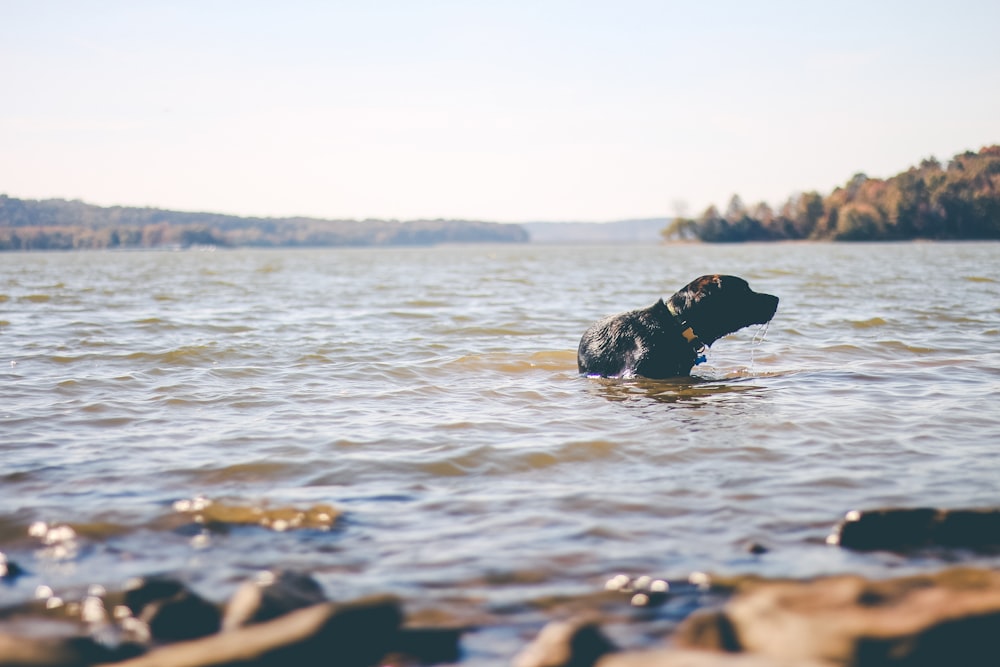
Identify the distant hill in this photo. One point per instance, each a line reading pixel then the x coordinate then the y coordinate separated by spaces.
pixel 58 224
pixel 621 231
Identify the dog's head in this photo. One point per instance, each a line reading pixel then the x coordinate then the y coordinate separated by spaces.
pixel 717 305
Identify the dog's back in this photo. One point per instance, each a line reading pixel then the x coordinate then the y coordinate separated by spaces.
pixel 644 342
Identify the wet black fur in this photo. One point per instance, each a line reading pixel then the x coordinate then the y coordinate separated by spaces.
pixel 648 342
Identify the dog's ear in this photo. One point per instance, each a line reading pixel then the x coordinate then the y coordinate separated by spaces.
pixel 696 290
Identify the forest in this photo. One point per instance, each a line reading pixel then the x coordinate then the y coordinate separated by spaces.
pixel 931 201
pixel 58 224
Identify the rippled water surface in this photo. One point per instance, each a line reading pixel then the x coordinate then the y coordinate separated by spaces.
pixel 431 396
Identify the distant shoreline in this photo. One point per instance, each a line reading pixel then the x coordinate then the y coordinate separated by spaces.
pixel 58 224
pixel 931 202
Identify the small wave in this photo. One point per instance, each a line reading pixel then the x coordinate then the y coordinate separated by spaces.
pixel 869 323
pixel 492 461
pixel 589 450
pixel 269 268
pixel 490 332
pixel 848 348
pixel 550 360
pixel 426 303
pixel 187 355
pixel 411 315
pixel 245 472
pixel 905 347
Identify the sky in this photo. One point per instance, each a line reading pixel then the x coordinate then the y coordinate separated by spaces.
pixel 511 111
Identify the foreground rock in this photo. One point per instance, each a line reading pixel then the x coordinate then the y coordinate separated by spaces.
pixel 581 644
pixel 356 635
pixel 280 618
pixel 951 618
pixel 283 618
pixel 50 652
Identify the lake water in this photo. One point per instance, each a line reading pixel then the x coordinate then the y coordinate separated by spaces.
pixel 431 395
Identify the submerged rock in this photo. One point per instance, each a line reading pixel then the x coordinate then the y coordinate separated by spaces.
pixel 949 618
pixel 213 514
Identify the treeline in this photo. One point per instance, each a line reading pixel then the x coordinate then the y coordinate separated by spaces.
pixel 957 201
pixel 57 224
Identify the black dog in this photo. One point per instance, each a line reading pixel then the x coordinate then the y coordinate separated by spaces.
pixel 667 339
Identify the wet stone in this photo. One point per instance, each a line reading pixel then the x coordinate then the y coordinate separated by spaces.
pixel 902 529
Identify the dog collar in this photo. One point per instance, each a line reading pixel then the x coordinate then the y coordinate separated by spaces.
pixel 689 335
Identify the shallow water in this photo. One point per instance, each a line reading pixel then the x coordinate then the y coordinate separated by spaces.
pixel 431 396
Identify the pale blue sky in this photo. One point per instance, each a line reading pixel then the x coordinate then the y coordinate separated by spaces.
pixel 510 110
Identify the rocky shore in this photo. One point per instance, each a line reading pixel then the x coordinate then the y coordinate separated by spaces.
pixel 947 617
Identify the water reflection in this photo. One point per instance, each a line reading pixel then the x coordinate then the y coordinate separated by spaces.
pixel 692 392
